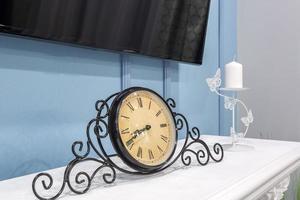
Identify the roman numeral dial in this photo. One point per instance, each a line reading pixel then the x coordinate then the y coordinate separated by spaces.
pixel 163 125
pixel 146 129
pixel 140 152
pixel 130 106
pixel 125 131
pixel 140 102
pixel 164 138
pixel 151 157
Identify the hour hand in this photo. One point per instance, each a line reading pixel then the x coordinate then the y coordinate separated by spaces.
pixel 131 140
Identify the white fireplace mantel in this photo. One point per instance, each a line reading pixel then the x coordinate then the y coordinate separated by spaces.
pixel 261 173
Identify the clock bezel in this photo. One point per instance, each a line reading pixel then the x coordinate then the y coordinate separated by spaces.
pixel 115 135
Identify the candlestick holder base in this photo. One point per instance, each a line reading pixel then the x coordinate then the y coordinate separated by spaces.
pixel 237 147
pixel 236 143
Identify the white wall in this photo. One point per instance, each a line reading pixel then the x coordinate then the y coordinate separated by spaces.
pixel 269 48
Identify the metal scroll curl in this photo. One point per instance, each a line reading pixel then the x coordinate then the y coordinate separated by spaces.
pixel 80 181
pixel 192 138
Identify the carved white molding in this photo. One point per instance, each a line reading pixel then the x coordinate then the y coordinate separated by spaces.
pixel 278 191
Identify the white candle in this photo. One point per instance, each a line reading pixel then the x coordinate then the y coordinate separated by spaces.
pixel 233 75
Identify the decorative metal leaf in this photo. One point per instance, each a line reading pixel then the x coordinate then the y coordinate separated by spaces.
pixel 229 103
pixel 215 82
pixel 249 119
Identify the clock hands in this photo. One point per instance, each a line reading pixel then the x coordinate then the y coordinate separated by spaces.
pixel 140 131
pixel 137 133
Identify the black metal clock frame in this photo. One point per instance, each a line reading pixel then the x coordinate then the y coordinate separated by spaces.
pixel 115 133
pixel 99 128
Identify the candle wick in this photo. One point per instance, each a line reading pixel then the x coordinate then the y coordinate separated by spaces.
pixel 234 58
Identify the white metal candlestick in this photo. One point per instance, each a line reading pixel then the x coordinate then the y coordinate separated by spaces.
pixel 230 103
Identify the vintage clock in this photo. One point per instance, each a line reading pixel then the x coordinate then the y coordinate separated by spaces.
pixel 142 129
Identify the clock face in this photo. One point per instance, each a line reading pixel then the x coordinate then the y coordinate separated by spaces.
pixel 146 129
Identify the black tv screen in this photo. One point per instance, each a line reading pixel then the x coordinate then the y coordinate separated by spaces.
pixel 168 29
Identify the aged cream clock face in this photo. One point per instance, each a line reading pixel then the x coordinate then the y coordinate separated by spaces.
pixel 146 128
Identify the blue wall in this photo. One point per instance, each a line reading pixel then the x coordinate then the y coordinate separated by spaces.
pixel 228 50
pixel 48 91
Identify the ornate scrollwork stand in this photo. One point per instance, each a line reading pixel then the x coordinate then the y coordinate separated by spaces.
pixel 98 127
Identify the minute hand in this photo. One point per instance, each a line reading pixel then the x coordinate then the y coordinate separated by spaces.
pixel 147 127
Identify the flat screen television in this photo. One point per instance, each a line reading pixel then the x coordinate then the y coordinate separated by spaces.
pixel 168 29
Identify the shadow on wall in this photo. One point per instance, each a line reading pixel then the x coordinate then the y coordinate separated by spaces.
pixel 67 58
pixel 78 56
